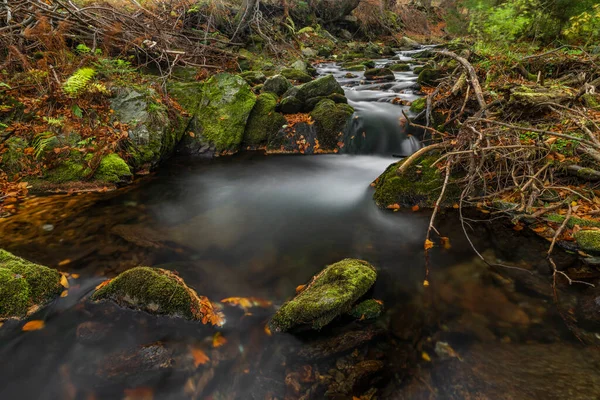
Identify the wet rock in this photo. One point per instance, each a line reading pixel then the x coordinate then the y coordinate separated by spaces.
pixel 407 43
pixel 588 308
pixel 329 294
pixel 153 134
pixel 419 185
pixel 339 342
pixel 92 332
pixel 112 169
pixel 428 76
pixel 368 309
pixel 277 84
pixel 588 241
pixel 25 286
pixel 220 108
pixel 379 74
pixel 159 292
pixel 331 120
pixel 357 376
pixel 290 105
pixel 399 67
pixel 308 52
pixel 321 87
pixel 264 122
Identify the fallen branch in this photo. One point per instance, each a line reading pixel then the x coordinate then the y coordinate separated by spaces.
pixel 474 80
pixel 415 156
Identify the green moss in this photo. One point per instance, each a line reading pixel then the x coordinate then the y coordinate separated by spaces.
pixel 24 284
pixel 588 240
pixel 379 73
pixel 323 86
pixel 112 169
pixel 559 219
pixel 296 75
pixel 358 67
pixel 330 120
pixel 368 309
pixel 418 105
pixel 399 67
pixel 428 76
pixel 419 185
pixel 330 293
pixel 591 100
pixel 187 94
pixel 253 77
pixel 13 160
pixel 153 290
pixel 264 122
pixel 68 171
pixel 277 84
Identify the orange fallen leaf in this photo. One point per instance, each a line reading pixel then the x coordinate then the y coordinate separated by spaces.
pixel 75 276
pixel 64 262
pixel 140 393
pixel 247 302
pixel 34 325
pixel 267 330
pixel 192 134
pixel 64 293
pixel 64 281
pixel 200 357
pixel 393 206
pixel 445 242
pixel 219 340
pixel 300 288
pixel 425 283
pixel 428 244
pixel 415 208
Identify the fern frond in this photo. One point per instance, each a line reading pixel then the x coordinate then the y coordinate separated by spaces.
pixel 40 143
pixel 77 83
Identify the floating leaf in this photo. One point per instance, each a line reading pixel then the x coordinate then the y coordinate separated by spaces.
pixel 267 330
pixel 247 302
pixel 64 281
pixel 219 340
pixel 64 262
pixel 200 357
pixel 34 325
pixel 64 293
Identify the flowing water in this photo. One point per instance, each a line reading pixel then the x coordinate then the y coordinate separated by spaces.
pixel 256 226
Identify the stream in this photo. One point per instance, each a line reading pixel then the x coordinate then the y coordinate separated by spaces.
pixel 256 227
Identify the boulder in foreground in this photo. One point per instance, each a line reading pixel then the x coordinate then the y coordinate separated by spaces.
pixel 329 294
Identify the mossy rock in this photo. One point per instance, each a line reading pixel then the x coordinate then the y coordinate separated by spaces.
pixel 420 185
pixel 418 105
pixel 158 292
pixel 264 122
pixel 399 67
pixel 323 86
pixel 67 171
pixel 220 108
pixel 330 120
pixel 290 105
pixel 329 294
pixel 253 77
pixel 369 64
pixel 368 309
pixel 25 286
pixel 296 75
pixel 428 76
pixel 277 84
pixel 588 241
pixel 356 67
pixel 112 169
pixel 14 160
pixel 379 74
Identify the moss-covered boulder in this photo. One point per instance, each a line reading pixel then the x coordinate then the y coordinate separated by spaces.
pixel 277 84
pixel 400 67
pixel 329 294
pixel 419 185
pixel 588 240
pixel 219 108
pixel 331 120
pixel 368 309
pixel 159 292
pixel 418 105
pixel 428 76
pixel 25 286
pixel 296 75
pixel 379 74
pixel 264 122
pixel 291 105
pixel 253 77
pixel 153 132
pixel 112 169
pixel 323 86
pixel 13 159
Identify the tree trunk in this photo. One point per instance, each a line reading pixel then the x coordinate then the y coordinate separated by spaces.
pixel 244 16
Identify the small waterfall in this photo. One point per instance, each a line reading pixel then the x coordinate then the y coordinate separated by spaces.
pixel 378 125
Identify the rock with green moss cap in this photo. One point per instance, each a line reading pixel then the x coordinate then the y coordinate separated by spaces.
pixel 253 77
pixel 220 108
pixel 112 169
pixel 264 122
pixel 420 185
pixel 67 171
pixel 368 309
pixel 378 74
pixel 25 286
pixel 153 133
pixel 296 75
pixel 329 294
pixel 158 292
pixel 401 67
pixel 428 76
pixel 331 120
pixel 277 84
pixel 418 105
pixel 588 240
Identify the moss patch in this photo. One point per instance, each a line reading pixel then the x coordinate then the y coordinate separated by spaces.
pixel 24 284
pixel 68 171
pixel 418 105
pixel 296 75
pixel 330 293
pixel 419 185
pixel 588 240
pixel 368 309
pixel 156 291
pixel 112 169
pixel 264 122
pixel 330 120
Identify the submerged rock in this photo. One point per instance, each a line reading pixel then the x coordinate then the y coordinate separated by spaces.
pixel 159 292
pixel 264 122
pixel 420 185
pixel 331 120
pixel 25 286
pixel 330 293
pixel 220 108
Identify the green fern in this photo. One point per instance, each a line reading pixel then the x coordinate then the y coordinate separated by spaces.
pixel 40 143
pixel 78 82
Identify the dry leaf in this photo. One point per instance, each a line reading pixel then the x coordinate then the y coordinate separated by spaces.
pixel 425 357
pixel 267 330
pixel 445 242
pixel 415 208
pixel 140 393
pixel 425 283
pixel 34 325
pixel 219 340
pixel 200 357
pixel 428 244
pixel 64 262
pixel 64 281
pixel 64 293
